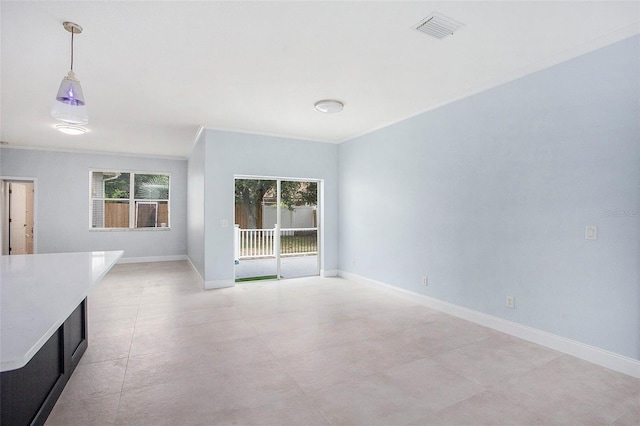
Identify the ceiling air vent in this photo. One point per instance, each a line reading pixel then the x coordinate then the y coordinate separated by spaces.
pixel 438 25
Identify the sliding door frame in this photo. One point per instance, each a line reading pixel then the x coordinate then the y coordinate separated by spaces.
pixel 319 218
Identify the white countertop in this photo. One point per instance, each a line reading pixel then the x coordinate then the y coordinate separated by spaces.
pixel 37 294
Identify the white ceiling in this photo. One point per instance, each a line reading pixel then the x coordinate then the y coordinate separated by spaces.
pixel 154 72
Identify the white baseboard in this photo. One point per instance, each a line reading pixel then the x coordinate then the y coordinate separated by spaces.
pixel 329 273
pixel 211 285
pixel 152 259
pixel 195 269
pixel 580 350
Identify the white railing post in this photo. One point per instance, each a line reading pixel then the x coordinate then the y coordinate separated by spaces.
pixel 275 246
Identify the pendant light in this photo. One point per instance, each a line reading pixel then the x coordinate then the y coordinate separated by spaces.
pixel 69 106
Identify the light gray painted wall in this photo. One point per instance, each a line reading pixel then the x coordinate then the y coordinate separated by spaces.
pixel 63 202
pixel 500 187
pixel 228 154
pixel 195 204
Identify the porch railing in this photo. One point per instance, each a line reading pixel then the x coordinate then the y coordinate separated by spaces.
pixel 255 243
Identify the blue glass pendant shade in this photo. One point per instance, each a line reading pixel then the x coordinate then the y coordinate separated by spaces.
pixel 70 91
pixel 69 106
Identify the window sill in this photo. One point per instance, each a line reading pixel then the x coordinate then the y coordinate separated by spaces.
pixel 129 229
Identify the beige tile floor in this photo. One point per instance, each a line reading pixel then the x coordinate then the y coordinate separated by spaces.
pixel 315 351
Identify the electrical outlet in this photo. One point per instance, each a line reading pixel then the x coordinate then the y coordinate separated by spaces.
pixel 511 302
pixel 425 281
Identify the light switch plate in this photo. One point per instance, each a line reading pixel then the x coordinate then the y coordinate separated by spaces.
pixel 591 232
pixel 511 302
pixel 224 223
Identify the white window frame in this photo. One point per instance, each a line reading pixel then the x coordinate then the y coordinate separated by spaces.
pixel 132 201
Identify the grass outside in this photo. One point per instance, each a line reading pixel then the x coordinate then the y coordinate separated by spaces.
pixel 263 277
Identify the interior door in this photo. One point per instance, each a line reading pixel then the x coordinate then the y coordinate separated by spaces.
pixel 17 218
pixel 30 217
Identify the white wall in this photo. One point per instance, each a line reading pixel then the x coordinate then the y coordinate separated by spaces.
pixel 195 204
pixel 502 185
pixel 229 154
pixel 62 198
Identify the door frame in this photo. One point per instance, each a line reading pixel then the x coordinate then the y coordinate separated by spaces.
pixel 4 210
pixel 320 215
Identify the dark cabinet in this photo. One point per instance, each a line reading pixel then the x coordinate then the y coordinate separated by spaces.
pixel 28 394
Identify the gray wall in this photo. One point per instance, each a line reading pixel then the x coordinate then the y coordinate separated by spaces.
pixel 497 190
pixel 228 154
pixel 195 204
pixel 62 197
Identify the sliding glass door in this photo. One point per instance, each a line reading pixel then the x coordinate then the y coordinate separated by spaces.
pixel 255 235
pixel 276 229
pixel 298 229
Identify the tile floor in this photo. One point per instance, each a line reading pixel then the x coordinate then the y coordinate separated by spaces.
pixel 315 351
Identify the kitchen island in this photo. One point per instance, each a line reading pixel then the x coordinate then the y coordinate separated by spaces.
pixel 43 327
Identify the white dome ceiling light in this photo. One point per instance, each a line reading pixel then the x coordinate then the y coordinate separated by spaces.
pixel 329 106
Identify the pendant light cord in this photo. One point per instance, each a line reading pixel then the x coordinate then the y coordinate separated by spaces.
pixel 72 31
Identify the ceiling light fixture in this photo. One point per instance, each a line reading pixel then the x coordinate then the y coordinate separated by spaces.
pixel 70 129
pixel 329 106
pixel 69 106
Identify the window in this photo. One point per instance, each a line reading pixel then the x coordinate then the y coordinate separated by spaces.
pixel 129 200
